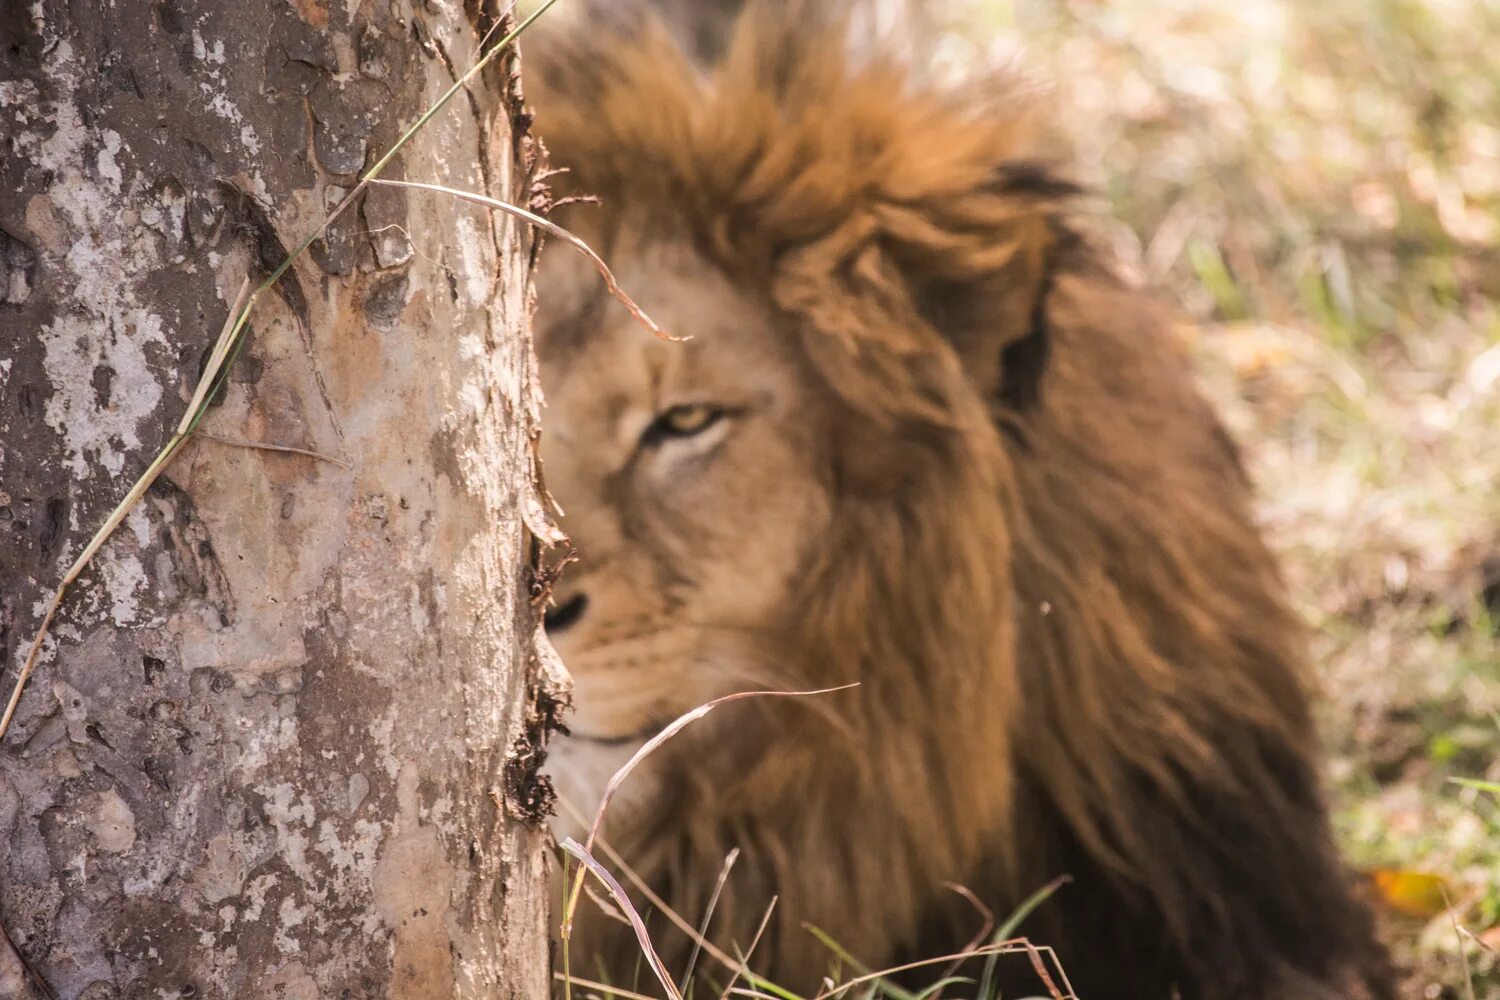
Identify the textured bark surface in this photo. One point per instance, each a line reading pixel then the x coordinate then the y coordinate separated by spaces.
pixel 282 741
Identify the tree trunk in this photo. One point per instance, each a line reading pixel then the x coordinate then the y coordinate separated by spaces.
pixel 282 740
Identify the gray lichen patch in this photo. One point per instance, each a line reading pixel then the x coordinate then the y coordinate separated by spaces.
pixel 112 823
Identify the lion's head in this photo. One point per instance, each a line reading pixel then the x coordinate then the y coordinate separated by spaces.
pixel 920 441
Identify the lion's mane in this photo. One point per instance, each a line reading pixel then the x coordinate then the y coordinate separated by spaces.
pixel 1074 649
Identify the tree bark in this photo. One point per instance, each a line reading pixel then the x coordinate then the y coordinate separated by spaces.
pixel 283 739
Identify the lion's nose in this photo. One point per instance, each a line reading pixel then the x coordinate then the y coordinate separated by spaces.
pixel 566 614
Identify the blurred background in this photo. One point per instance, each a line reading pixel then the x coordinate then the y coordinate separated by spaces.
pixel 1316 187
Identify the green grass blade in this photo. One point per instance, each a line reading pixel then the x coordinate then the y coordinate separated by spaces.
pixel 885 986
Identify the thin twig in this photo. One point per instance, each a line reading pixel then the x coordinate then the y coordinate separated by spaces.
pixel 553 228
pixel 267 446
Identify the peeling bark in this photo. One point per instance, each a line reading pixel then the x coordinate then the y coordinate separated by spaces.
pixel 283 740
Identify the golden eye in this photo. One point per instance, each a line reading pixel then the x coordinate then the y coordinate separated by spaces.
pixel 689 419
pixel 683 421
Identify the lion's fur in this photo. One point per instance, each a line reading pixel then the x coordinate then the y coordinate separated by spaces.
pixel 1074 650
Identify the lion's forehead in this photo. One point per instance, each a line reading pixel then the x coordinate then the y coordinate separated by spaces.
pixel 605 374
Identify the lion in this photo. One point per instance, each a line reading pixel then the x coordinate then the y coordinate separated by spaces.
pixel 919 438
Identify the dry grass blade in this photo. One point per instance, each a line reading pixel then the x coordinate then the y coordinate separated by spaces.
pixel 744 966
pixel 1463 953
pixel 31 658
pixel 672 729
pixel 593 984
pixel 554 229
pixel 1015 946
pixel 267 446
pixel 661 905
pixel 1039 964
pixel 708 915
pixel 607 908
pixel 1481 942
pixel 986 914
pixel 184 428
pixel 643 936
pixel 221 350
pixel 650 747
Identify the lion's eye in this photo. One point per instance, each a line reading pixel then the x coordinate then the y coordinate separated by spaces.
pixel 683 421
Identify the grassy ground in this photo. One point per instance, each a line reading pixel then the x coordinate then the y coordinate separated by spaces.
pixel 1318 188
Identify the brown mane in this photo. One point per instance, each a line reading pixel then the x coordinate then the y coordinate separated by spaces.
pixel 1074 651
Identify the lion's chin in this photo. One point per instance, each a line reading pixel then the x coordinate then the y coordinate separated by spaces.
pixel 580 769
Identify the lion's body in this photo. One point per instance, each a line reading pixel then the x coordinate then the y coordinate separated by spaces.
pixel 984 488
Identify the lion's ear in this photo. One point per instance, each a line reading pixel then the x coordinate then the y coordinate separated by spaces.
pixel 907 291
pixel 980 267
